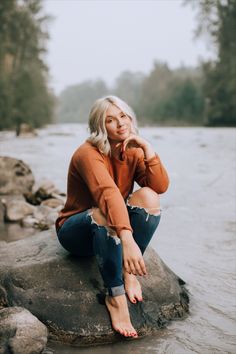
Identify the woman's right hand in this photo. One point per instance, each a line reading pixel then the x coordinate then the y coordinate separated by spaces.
pixel 132 256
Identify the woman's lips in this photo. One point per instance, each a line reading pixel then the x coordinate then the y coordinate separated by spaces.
pixel 122 131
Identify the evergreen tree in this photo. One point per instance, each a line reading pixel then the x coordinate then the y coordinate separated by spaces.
pixel 24 95
pixel 217 18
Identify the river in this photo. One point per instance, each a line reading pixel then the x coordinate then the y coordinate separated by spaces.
pixel 196 237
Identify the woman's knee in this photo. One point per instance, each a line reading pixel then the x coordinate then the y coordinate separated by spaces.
pixel 146 198
pixel 97 217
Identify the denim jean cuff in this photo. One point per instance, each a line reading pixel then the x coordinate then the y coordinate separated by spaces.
pixel 116 290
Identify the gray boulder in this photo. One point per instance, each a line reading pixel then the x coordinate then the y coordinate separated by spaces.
pixel 66 293
pixel 15 176
pixel 21 332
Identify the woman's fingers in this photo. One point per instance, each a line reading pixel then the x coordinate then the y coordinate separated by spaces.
pixel 132 268
pixel 127 267
pixel 143 267
pixel 138 268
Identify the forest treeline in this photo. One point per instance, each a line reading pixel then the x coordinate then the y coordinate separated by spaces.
pixel 24 93
pixel 164 96
pixel 185 96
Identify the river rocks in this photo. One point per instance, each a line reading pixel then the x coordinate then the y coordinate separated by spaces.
pixel 15 176
pixel 66 293
pixel 21 332
pixel 21 200
pixel 42 191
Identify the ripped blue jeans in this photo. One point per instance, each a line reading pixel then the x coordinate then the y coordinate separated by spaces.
pixel 82 236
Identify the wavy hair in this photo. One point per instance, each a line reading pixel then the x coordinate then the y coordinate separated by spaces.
pixel 98 133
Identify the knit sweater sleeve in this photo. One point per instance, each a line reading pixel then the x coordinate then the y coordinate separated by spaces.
pixel 151 173
pixel 103 189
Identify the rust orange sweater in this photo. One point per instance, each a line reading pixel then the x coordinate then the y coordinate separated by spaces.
pixel 96 180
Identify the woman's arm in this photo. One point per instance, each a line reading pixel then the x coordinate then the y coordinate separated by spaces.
pixel 149 172
pixel 91 167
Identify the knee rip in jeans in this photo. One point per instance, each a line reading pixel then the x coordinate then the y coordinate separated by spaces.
pixel 110 232
pixel 155 211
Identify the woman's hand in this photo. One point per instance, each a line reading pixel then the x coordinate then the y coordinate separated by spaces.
pixel 132 256
pixel 137 141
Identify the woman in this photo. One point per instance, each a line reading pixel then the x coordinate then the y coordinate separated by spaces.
pixel 101 217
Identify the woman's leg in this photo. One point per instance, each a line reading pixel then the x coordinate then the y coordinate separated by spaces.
pixel 144 212
pixel 75 235
pixel 86 234
pixel 108 250
pixel 81 235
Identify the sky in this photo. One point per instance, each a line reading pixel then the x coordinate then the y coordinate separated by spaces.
pixel 98 39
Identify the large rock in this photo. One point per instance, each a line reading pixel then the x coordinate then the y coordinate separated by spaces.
pixel 65 292
pixel 21 332
pixel 15 176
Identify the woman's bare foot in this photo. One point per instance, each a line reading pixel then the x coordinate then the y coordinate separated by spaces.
pixel 119 312
pixel 132 287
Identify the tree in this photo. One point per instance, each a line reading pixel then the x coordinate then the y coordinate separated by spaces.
pixel 217 18
pixel 128 86
pixel 24 95
pixel 75 101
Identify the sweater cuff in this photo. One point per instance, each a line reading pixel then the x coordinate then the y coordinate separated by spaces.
pixel 153 160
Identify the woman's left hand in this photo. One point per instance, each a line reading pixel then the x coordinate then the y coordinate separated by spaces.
pixel 134 141
pixel 137 141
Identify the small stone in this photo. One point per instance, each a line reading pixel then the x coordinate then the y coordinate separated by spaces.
pixel 53 202
pixel 25 130
pixel 41 212
pixel 21 332
pixel 29 221
pixel 16 210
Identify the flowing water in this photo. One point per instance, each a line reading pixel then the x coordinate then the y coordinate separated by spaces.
pixel 196 237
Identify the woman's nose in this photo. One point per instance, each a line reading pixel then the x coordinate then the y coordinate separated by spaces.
pixel 120 123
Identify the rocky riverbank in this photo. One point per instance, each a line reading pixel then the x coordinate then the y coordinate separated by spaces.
pixel 63 292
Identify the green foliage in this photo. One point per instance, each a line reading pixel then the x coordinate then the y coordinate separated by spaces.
pixel 217 18
pixel 24 96
pixel 76 101
pixel 172 96
pixel 128 86
pixel 163 97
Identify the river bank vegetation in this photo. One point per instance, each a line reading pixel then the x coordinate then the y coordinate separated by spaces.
pixel 24 93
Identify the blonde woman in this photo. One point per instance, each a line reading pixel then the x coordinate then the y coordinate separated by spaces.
pixel 102 216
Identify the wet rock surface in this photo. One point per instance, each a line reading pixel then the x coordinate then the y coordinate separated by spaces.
pixel 21 332
pixel 66 293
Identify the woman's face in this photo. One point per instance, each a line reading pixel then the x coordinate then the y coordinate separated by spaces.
pixel 118 124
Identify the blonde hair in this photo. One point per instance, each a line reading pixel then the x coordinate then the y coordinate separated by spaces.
pixel 97 117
